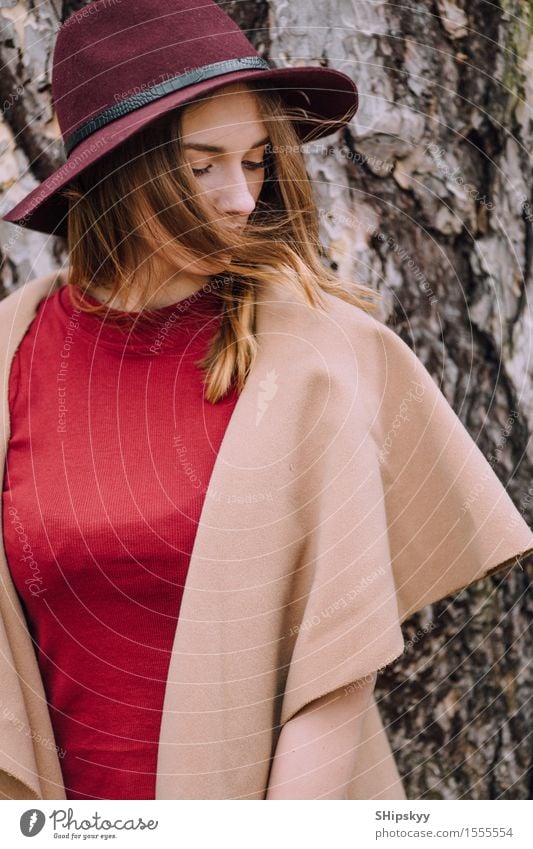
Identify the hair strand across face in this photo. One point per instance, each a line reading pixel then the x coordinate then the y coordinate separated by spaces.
pixel 141 200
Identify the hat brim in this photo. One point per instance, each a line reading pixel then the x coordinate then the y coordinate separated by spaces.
pixel 324 93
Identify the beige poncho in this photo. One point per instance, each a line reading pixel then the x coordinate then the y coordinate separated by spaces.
pixel 346 496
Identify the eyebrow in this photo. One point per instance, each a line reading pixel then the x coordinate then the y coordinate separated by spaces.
pixel 213 148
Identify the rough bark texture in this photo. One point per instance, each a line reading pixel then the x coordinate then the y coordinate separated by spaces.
pixel 426 197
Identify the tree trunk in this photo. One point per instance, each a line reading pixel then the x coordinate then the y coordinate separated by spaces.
pixel 426 197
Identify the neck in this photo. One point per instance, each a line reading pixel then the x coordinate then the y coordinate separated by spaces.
pixel 175 288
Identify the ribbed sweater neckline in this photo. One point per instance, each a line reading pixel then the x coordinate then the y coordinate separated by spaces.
pixel 178 328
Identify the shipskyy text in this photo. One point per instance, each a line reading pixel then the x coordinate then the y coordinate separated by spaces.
pixel 397 817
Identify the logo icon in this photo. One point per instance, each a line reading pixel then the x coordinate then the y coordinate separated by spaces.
pixel 32 822
pixel 269 389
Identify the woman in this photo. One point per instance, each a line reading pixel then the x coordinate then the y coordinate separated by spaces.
pixel 217 557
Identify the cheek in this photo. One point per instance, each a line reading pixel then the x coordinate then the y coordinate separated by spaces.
pixel 204 186
pixel 256 184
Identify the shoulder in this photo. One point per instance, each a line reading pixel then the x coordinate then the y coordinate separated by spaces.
pixel 343 361
pixel 20 307
pixel 340 330
pixel 362 325
pixel 25 300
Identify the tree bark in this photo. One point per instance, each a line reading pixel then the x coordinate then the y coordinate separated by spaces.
pixel 426 197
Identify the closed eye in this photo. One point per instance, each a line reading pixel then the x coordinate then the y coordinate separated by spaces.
pixel 252 166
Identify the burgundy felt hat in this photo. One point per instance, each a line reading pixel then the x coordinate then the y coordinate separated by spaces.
pixel 120 64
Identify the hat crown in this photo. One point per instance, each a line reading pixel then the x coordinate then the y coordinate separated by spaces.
pixel 120 64
pixel 114 49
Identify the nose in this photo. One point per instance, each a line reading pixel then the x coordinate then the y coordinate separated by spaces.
pixel 235 197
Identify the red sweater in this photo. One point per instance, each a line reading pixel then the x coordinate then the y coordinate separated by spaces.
pixel 111 452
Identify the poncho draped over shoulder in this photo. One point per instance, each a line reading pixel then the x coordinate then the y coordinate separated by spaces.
pixel 346 496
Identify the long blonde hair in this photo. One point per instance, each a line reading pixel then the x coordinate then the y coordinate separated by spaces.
pixel 141 198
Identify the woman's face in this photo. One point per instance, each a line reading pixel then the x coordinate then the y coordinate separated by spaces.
pixel 224 140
